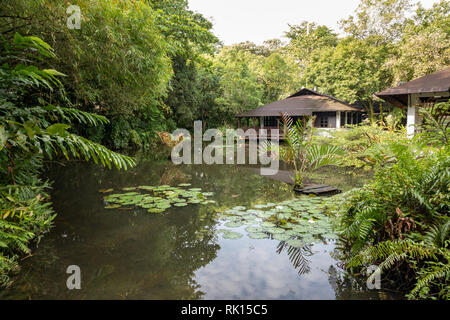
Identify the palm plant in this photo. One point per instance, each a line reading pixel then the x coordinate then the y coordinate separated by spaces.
pixel 300 151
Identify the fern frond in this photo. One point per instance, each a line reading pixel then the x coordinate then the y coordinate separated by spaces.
pixel 70 114
pixel 440 272
pixel 79 147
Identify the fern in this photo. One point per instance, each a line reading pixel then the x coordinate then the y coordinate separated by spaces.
pixel 70 114
pixel 439 272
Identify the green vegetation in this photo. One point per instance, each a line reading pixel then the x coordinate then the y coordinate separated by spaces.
pixel 34 127
pixel 400 220
pixel 300 150
pixel 137 68
pixel 157 199
pixel 153 65
pixel 298 222
pixel 358 141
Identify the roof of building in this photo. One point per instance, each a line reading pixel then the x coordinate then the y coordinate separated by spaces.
pixel 304 102
pixel 432 83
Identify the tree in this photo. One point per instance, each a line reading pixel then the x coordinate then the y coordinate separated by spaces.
pixel 381 21
pixel 240 85
pixel 278 74
pixel 189 37
pixel 353 71
pixel 306 38
pixel 32 128
pixel 424 47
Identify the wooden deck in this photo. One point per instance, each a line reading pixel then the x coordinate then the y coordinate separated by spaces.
pixel 318 189
pixel 269 131
pixel 288 177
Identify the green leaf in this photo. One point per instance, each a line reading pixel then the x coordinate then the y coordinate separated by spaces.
pixel 58 129
pixel 53 72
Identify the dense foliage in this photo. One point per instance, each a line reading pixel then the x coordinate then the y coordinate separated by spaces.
pixel 152 65
pixel 387 42
pixel 32 128
pixel 358 139
pixel 400 220
pixel 140 67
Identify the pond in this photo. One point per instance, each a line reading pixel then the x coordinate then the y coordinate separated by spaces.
pixel 187 251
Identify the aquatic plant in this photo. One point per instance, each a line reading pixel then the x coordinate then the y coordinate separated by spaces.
pixel 157 199
pixel 298 222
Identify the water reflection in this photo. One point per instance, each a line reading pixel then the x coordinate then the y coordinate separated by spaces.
pixel 131 254
pixel 297 256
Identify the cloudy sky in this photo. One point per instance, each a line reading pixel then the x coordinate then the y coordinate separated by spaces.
pixel 258 20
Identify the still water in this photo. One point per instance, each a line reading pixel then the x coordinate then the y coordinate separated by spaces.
pixel 131 254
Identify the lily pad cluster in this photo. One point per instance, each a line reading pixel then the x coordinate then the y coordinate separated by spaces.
pixel 298 222
pixel 157 199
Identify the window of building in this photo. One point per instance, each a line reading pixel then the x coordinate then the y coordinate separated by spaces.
pixel 324 122
pixel 270 121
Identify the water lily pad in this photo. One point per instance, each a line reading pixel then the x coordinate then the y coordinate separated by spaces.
pixel 157 199
pixel 180 204
pixel 184 185
pixel 106 190
pixel 234 224
pixel 296 243
pixel 254 229
pixel 268 224
pixel 258 235
pixel 129 189
pixel 281 237
pixel 309 240
pixel 232 235
pixel 260 206
pixel 255 212
pixel 275 230
pixel 113 206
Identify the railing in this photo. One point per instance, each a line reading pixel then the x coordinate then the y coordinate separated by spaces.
pixel 269 131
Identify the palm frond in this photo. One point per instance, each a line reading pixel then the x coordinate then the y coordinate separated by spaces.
pixel 323 155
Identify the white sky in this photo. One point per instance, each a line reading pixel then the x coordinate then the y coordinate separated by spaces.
pixel 258 20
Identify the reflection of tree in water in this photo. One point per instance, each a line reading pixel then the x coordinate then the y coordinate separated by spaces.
pixel 347 287
pixel 230 180
pixel 133 254
pixel 128 254
pixel 297 256
pixel 172 175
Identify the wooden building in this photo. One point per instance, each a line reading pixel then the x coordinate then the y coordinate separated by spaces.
pixel 331 113
pixel 418 93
